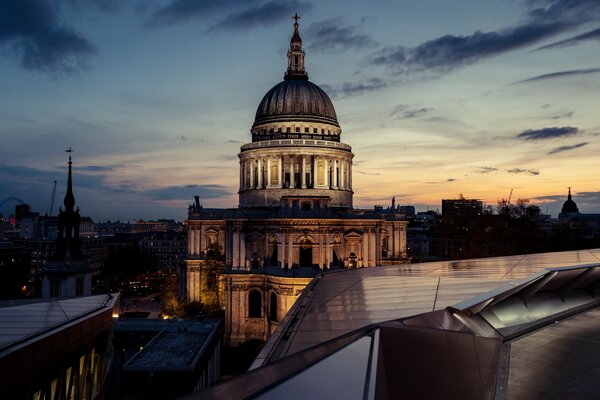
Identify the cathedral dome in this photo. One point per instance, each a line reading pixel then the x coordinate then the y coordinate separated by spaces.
pixel 569 206
pixel 295 99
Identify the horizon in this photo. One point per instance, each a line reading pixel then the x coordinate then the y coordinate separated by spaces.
pixel 156 100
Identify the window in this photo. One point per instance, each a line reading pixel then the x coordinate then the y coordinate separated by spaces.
pixel 273 307
pixel 254 304
pixel 315 130
pixel 306 130
pixel 288 130
pixel 297 129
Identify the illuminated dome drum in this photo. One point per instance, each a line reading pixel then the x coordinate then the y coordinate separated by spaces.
pixel 296 158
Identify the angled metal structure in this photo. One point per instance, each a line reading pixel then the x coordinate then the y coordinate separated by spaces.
pixel 460 351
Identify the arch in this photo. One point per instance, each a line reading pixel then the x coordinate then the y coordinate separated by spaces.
pixel 254 304
pixel 273 307
pixel 352 260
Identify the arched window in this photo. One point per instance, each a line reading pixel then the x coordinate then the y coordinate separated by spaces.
pixel 273 307
pixel 254 304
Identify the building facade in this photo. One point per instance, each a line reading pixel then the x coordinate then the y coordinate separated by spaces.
pixel 295 217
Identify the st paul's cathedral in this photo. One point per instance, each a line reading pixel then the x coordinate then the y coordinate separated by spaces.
pixel 295 217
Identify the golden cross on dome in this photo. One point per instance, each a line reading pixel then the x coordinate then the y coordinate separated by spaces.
pixel 296 17
pixel 69 150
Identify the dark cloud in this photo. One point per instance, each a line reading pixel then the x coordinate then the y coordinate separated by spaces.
pixel 574 12
pixel 544 19
pixel 233 141
pixel 354 88
pixel 330 35
pixel 110 6
pixel 412 113
pixel 367 173
pixel 532 172
pixel 450 52
pixel 33 36
pixel 265 14
pixel 450 180
pixel 97 168
pixel 560 74
pixel 592 35
pixel 485 170
pixel 231 14
pixel 185 10
pixel 566 114
pixel 567 148
pixel 187 192
pixel 548 133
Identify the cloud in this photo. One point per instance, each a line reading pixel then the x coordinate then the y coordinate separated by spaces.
pixel 402 113
pixel 450 180
pixel 566 148
pixel 265 14
pixel 566 114
pixel 567 11
pixel 548 133
pixel 330 35
pixel 532 172
pixel 187 192
pixel 450 52
pixel 354 88
pixel 233 141
pixel 33 36
pixel 97 168
pixel 239 14
pixel 560 74
pixel 591 35
pixel 367 173
pixel 185 10
pixel 485 170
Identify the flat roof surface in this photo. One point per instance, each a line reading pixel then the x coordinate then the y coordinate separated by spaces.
pixel 339 302
pixel 177 346
pixel 25 320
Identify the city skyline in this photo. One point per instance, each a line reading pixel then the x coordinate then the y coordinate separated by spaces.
pixel 476 98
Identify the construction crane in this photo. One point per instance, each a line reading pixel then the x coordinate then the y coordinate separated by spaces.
pixel 509 196
pixel 51 206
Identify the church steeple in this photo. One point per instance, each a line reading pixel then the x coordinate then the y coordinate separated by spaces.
pixel 69 197
pixel 68 244
pixel 295 55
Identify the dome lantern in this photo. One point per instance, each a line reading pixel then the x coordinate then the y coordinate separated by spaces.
pixel 296 55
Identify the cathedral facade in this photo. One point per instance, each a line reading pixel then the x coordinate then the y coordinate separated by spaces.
pixel 295 217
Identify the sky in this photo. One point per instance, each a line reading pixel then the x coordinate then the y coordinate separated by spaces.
pixel 437 99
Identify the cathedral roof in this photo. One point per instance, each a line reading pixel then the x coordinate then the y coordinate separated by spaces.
pixel 295 99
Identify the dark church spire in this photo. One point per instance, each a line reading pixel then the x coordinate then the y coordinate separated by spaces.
pixel 296 55
pixel 68 244
pixel 69 197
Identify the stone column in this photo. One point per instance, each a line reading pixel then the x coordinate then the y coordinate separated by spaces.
pixel 396 242
pixel 372 250
pixel 343 175
pixel 313 175
pixel 191 241
pixel 281 249
pixel 280 173
pixel 236 248
pixel 251 162
pixel 350 174
pixel 329 252
pixel 292 180
pixel 402 241
pixel 229 246
pixel 303 177
pixel 268 173
pixel 335 174
pixel 290 259
pixel 260 174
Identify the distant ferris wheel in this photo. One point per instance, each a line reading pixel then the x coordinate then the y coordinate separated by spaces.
pixel 9 200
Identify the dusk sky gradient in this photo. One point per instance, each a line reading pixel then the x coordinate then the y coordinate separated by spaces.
pixel 436 98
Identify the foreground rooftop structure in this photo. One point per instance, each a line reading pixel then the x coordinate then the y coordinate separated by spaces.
pixel 507 327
